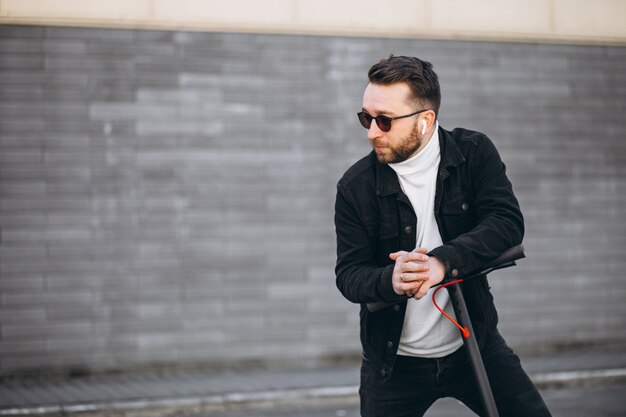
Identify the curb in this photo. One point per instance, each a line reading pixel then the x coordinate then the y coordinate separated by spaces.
pixel 223 400
pixel 569 378
pixel 277 397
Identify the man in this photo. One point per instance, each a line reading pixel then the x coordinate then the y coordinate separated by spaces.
pixel 426 206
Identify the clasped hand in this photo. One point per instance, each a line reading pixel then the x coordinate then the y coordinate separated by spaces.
pixel 415 272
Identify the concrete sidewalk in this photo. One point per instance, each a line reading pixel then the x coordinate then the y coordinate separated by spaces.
pixel 179 390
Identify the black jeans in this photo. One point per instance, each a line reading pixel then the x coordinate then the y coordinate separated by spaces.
pixel 416 383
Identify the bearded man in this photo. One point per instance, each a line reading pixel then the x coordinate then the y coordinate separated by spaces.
pixel 426 206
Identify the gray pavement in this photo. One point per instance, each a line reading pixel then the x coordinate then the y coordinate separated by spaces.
pixel 219 393
pixel 604 400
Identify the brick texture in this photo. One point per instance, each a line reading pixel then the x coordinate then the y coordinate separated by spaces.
pixel 167 197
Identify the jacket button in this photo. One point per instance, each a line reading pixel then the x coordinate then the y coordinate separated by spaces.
pixel 396 307
pixel 408 230
pixel 383 372
pixel 390 344
pixel 465 206
pixel 454 273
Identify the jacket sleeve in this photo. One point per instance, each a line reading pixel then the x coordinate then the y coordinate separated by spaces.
pixel 500 224
pixel 358 277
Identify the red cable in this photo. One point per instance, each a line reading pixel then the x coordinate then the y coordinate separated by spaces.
pixel 464 330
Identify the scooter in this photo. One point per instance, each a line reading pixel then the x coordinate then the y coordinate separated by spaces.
pixel 463 322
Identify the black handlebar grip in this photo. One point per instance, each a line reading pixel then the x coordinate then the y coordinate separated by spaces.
pixel 504 259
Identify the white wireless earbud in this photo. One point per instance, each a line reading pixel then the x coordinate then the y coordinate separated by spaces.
pixel 423 127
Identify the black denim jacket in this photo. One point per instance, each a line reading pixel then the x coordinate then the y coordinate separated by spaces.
pixel 478 218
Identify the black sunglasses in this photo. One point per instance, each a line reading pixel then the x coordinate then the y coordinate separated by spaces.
pixel 383 122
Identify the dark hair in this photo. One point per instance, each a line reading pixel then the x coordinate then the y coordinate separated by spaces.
pixel 418 74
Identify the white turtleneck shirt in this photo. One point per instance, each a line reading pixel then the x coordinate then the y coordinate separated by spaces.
pixel 426 332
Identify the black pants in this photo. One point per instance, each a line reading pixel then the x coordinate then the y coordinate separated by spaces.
pixel 416 383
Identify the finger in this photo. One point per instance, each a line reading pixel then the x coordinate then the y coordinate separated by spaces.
pixel 407 287
pixel 420 250
pixel 417 256
pixel 423 290
pixel 415 267
pixel 411 277
pixel 396 255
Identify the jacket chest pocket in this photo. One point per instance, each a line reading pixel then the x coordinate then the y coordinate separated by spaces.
pixel 456 204
pixel 388 229
pixel 457 214
pixel 382 228
pixel 388 242
pixel 384 235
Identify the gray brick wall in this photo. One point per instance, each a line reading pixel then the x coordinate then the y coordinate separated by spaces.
pixel 167 197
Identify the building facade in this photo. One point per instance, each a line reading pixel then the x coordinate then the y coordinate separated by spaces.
pixel 167 180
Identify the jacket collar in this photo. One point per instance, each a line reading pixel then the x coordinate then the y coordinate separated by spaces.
pixel 387 181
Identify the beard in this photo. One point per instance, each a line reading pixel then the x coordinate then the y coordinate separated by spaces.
pixel 406 148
